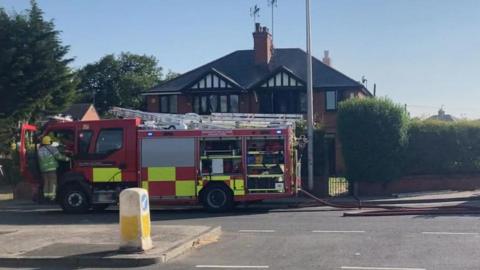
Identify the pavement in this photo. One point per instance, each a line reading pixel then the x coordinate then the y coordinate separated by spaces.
pixel 94 245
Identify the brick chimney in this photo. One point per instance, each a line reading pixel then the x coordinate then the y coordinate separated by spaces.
pixel 262 45
pixel 326 58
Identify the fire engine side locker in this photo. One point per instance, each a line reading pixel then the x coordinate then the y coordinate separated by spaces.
pixel 167 166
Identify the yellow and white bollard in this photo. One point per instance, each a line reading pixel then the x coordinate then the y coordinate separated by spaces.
pixel 135 220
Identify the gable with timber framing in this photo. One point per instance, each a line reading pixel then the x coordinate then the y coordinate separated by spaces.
pixel 282 78
pixel 213 80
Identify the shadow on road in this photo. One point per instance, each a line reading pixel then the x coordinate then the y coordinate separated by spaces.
pixel 32 214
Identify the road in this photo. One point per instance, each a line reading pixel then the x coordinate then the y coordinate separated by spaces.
pixel 309 238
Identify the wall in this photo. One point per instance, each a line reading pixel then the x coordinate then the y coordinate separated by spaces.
pixel 420 183
pixel 153 104
pixel 184 104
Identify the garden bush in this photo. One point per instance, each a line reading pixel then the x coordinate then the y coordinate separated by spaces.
pixel 373 133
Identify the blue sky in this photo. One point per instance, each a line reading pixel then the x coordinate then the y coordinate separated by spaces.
pixel 423 53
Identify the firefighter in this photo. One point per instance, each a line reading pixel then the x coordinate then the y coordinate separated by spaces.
pixel 48 157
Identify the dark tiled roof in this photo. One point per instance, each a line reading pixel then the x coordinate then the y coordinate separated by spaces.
pixel 77 111
pixel 240 67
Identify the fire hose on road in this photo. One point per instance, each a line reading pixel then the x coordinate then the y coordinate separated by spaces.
pixel 392 210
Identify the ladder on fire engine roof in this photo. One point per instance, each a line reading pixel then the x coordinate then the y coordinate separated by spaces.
pixel 213 121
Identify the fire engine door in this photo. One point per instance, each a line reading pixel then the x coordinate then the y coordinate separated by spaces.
pixel 27 154
pixel 102 154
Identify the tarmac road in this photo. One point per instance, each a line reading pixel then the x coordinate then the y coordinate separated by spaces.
pixel 309 238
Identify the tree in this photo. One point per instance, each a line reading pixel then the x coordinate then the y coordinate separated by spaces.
pixel 373 133
pixel 35 79
pixel 119 81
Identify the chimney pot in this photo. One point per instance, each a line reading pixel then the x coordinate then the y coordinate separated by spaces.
pixel 326 58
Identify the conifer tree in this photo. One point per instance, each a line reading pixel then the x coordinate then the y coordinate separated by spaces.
pixel 35 79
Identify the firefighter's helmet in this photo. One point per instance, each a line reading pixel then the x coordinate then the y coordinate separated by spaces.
pixel 46 140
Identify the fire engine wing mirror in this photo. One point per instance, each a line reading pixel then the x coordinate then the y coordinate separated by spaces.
pixel 122 166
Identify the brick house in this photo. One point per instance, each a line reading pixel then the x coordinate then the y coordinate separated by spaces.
pixel 262 80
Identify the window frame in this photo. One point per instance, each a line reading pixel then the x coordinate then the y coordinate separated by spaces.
pixel 170 100
pixel 113 150
pixel 304 102
pixel 335 100
pixel 217 98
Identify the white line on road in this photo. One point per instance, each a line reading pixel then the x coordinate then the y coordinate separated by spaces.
pixel 451 233
pixel 233 266
pixel 255 231
pixel 338 231
pixel 379 268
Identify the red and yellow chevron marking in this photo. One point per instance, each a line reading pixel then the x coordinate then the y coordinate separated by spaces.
pixel 169 181
pixel 179 182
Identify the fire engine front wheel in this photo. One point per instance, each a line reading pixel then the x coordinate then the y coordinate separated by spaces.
pixel 217 198
pixel 74 200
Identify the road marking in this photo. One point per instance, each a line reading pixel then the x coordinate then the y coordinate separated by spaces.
pixel 233 266
pixel 379 268
pixel 255 231
pixel 338 231
pixel 451 233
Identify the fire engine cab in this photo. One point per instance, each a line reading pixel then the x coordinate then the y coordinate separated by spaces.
pixel 215 167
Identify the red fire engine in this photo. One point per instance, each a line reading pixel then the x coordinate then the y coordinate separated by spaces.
pixel 215 167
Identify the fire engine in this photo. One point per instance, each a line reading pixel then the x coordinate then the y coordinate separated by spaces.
pixel 217 161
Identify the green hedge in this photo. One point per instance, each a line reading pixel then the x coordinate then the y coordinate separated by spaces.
pixel 373 133
pixel 437 147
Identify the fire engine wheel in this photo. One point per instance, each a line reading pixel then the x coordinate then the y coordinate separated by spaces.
pixel 217 198
pixel 75 200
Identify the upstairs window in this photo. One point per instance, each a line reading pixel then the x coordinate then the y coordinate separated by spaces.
pixel 331 100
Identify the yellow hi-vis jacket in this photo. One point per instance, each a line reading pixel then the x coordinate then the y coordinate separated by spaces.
pixel 48 156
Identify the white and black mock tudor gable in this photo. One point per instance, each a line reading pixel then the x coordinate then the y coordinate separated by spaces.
pixel 213 80
pixel 282 78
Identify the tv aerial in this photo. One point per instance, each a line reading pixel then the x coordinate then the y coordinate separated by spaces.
pixel 255 13
pixel 273 5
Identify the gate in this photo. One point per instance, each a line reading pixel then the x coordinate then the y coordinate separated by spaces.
pixel 338 186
